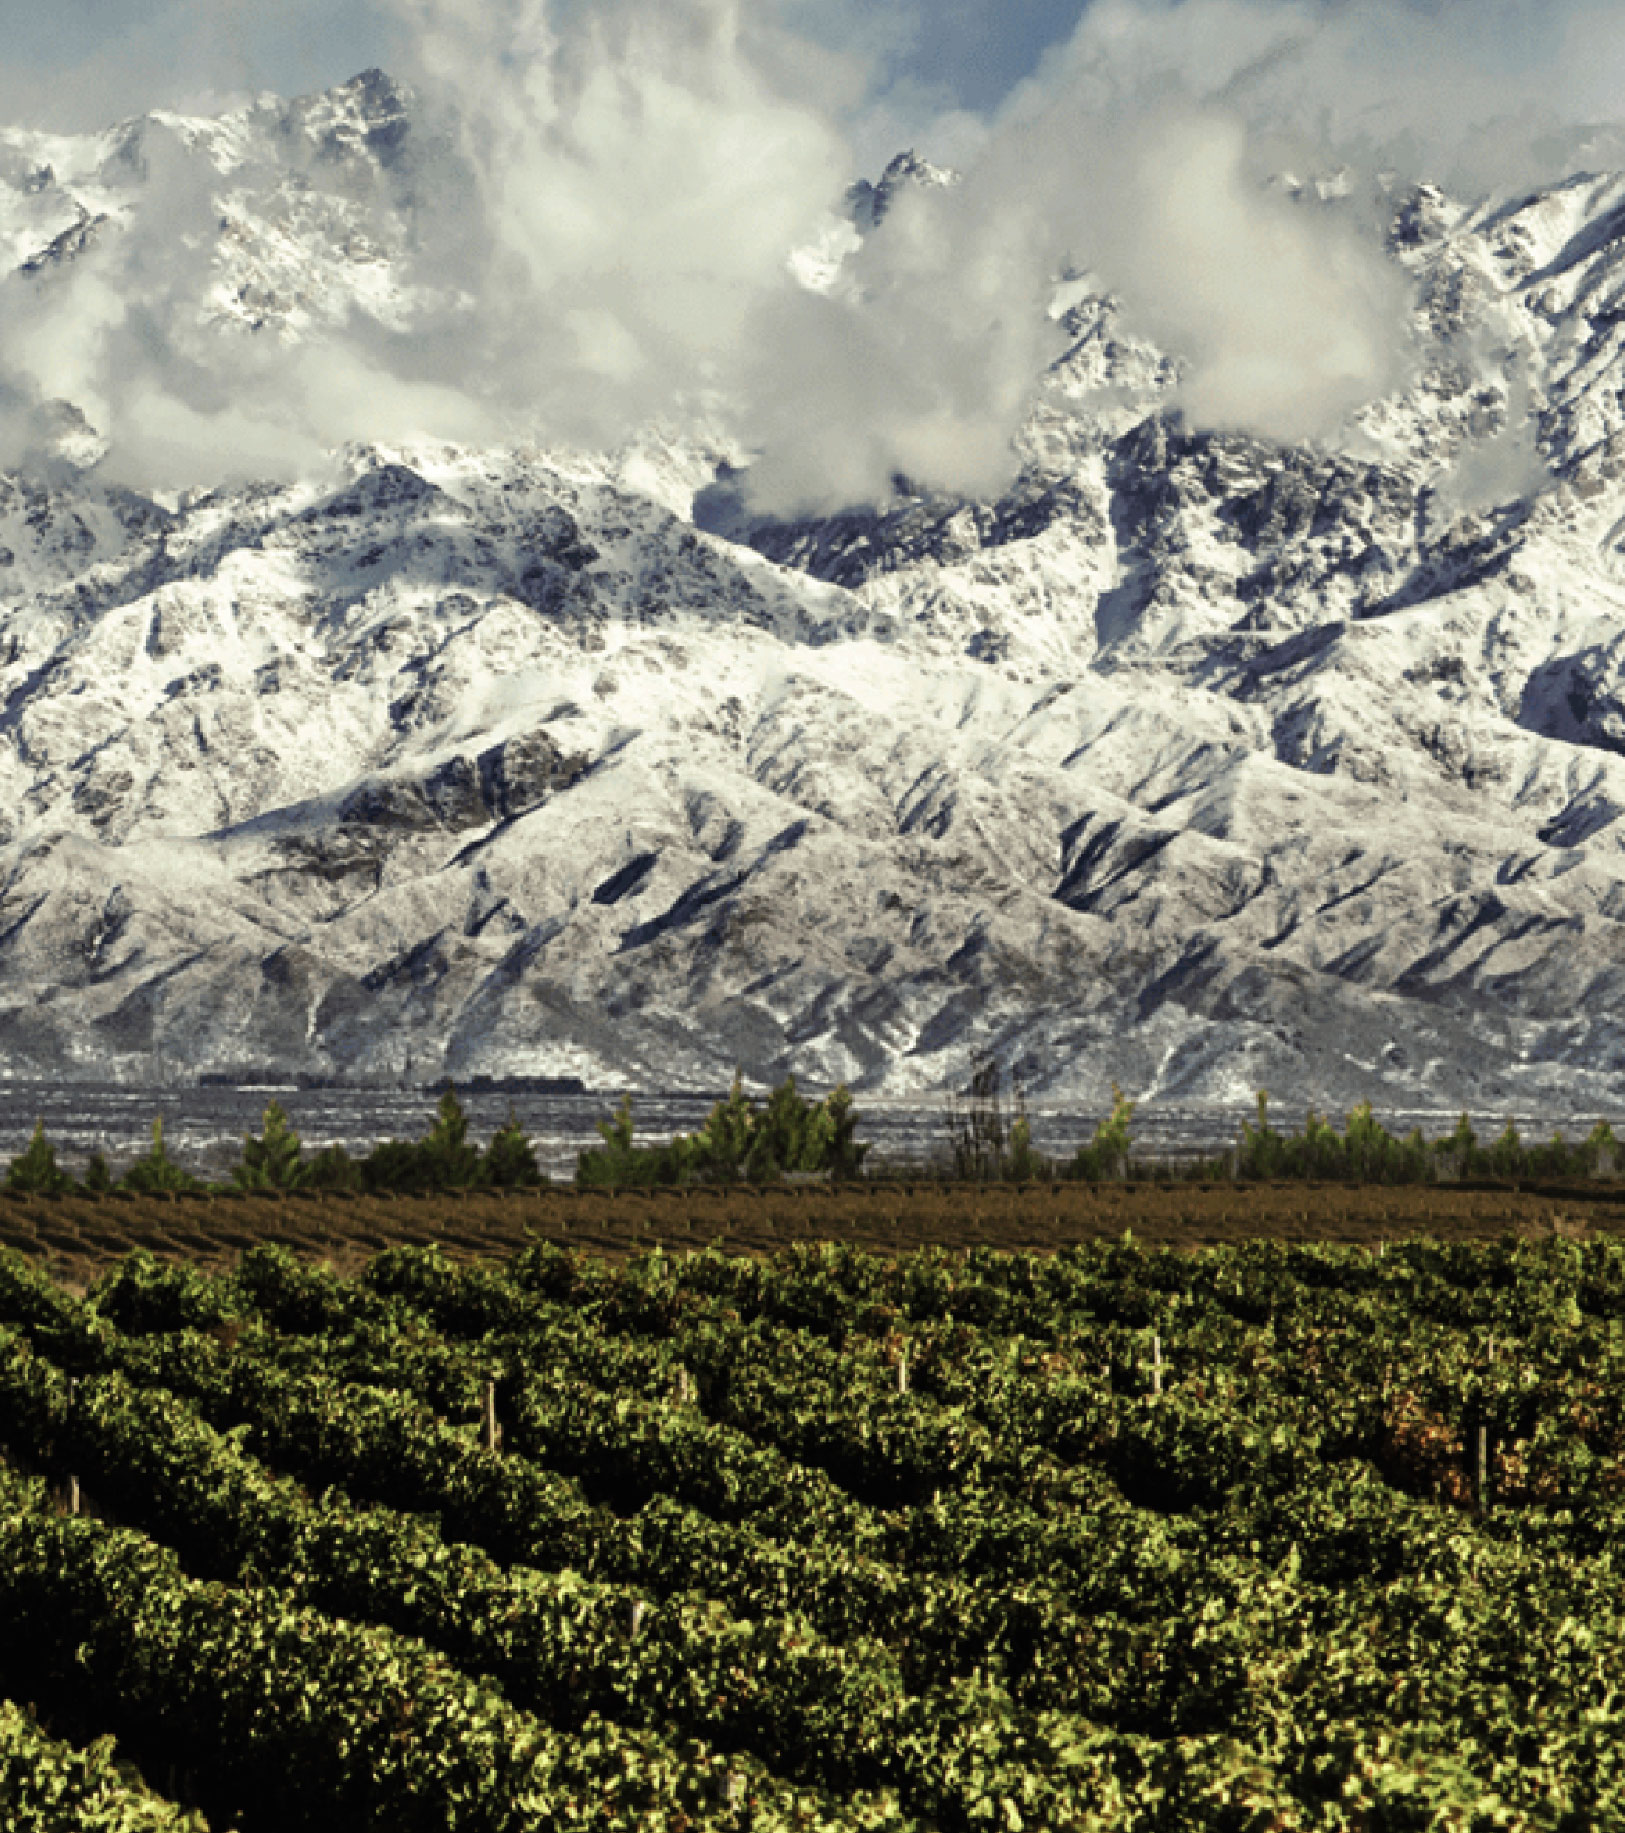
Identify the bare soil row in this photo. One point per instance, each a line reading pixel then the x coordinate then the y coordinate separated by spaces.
pixel 79 1236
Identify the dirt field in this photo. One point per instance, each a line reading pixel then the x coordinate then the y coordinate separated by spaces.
pixel 78 1236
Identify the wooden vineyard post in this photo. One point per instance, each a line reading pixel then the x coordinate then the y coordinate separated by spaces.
pixel 1156 1366
pixel 491 1432
pixel 685 1387
pixel 71 1485
pixel 638 1608
pixel 902 1371
pixel 1483 1469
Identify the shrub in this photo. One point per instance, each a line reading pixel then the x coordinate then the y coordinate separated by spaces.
pixel 741 1141
pixel 1262 1151
pixel 1373 1156
pixel 1557 1159
pixel 618 1164
pixel 1365 1152
pixel 35 1172
pixel 333 1169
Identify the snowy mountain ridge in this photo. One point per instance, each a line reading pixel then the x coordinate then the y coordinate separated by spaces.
pixel 1194 761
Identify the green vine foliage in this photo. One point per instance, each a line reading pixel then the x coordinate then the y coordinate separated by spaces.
pixel 48 1786
pixel 1113 1540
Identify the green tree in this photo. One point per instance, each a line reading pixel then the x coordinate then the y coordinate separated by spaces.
pixel 1506 1156
pixel 1600 1152
pixel 721 1150
pixel 1457 1155
pixel 157 1174
pixel 442 1160
pixel 740 1139
pixel 832 1143
pixel 451 1162
pixel 510 1160
pixel 35 1172
pixel 1262 1152
pixel 618 1164
pixel 271 1162
pixel 333 1169
pixel 1106 1155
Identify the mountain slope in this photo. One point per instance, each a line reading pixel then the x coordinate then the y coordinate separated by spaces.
pixel 1194 761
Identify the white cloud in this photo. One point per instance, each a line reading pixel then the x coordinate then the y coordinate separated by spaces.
pixel 608 234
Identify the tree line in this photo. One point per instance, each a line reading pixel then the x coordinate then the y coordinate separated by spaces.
pixel 787 1135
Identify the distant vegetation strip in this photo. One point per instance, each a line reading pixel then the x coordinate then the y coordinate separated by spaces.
pixel 789 1137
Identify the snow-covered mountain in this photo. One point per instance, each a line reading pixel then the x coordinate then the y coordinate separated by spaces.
pixel 1193 762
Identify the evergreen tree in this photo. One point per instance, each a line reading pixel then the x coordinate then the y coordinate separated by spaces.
pixel 443 1160
pixel 840 1153
pixel 722 1147
pixel 451 1162
pixel 333 1169
pixel 272 1161
pixel 618 1164
pixel 510 1161
pixel 157 1174
pixel 35 1172
pixel 1457 1155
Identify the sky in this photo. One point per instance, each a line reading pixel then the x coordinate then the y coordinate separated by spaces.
pixel 625 180
pixel 76 63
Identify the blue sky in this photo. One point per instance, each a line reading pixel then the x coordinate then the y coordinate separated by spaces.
pixel 86 61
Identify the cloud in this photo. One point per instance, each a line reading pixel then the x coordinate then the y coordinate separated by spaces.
pixel 600 196
pixel 1143 150
pixel 1463 92
pixel 1119 161
pixel 642 173
pixel 83 64
pixel 591 230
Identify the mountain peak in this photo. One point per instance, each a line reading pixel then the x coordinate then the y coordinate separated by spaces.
pixel 868 203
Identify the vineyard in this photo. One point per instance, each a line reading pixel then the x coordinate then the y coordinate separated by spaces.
pixel 1272 1536
pixel 81 1235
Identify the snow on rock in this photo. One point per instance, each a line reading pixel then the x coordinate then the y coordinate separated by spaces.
pixel 1195 762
